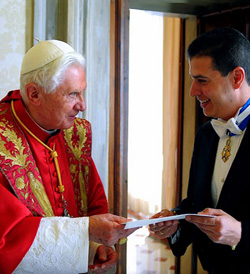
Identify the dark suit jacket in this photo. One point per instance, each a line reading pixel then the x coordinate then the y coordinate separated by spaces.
pixel 234 200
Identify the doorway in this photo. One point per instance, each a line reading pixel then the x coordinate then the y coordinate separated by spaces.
pixel 154 112
pixel 153 131
pixel 145 113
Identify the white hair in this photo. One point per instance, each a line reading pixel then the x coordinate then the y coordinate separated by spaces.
pixel 51 75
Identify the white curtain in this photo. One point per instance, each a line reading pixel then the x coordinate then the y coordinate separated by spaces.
pixel 145 112
pixel 153 111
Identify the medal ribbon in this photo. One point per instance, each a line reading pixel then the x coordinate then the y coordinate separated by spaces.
pixel 234 126
pixel 243 117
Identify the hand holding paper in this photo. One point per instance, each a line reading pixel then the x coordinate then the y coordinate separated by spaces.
pixel 145 222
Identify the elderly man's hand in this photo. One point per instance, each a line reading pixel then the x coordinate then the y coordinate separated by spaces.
pixel 105 259
pixel 108 229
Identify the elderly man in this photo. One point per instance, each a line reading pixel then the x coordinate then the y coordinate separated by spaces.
pixel 48 181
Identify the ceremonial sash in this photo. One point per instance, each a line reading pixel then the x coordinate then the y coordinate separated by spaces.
pixel 78 150
pixel 18 165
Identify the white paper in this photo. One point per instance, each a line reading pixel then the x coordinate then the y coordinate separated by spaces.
pixel 141 223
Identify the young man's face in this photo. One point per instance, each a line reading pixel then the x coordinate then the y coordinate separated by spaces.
pixel 59 109
pixel 214 91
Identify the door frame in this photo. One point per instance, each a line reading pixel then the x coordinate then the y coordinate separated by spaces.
pixel 118 127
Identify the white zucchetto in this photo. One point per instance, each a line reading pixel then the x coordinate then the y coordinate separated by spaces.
pixel 43 53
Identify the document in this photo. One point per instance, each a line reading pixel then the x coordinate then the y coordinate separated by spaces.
pixel 145 222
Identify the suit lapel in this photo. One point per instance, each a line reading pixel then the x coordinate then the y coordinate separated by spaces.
pixel 236 180
pixel 204 159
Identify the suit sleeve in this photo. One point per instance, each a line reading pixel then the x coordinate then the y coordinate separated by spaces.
pixel 184 235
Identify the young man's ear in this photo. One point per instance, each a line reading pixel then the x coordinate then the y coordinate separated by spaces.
pixel 33 93
pixel 238 77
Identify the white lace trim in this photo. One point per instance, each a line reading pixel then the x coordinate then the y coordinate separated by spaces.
pixel 60 246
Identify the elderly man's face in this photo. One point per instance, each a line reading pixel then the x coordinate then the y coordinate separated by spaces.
pixel 59 109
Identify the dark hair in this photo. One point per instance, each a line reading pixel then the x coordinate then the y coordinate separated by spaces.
pixel 227 47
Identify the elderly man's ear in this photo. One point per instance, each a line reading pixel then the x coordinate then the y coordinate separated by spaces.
pixel 33 93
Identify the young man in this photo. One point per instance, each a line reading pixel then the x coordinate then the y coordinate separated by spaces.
pixel 48 181
pixel 219 183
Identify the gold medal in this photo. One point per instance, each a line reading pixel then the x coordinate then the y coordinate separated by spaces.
pixel 226 152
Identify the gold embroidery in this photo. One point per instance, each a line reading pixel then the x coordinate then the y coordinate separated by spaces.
pixel 12 149
pixel 83 191
pixel 20 183
pixel 3 112
pixel 76 139
pixel 72 168
pixel 16 156
pixel 76 149
pixel 39 192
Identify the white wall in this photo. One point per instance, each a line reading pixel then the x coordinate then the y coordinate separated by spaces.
pixel 12 45
pixel 98 77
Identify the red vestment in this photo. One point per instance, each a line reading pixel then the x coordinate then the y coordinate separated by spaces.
pixel 28 179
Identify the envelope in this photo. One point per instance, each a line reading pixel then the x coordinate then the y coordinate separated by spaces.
pixel 140 223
